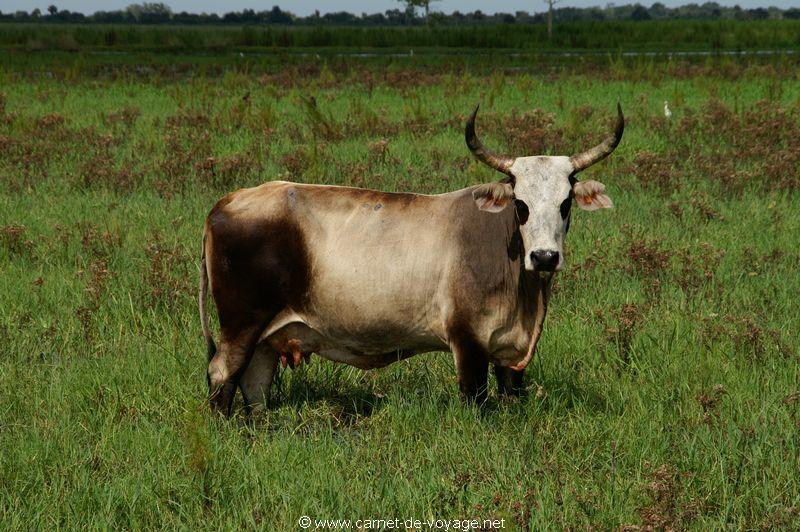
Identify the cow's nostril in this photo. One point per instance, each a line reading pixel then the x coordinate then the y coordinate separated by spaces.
pixel 545 259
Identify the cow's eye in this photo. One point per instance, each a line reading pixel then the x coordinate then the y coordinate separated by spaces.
pixel 566 205
pixel 522 211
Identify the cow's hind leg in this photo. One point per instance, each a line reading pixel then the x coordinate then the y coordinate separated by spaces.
pixel 257 377
pixel 509 381
pixel 472 365
pixel 227 366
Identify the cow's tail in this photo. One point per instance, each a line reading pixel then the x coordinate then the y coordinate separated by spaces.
pixel 210 345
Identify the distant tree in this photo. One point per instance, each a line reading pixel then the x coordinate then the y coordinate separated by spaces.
pixel 640 13
pixel 658 10
pixel 410 14
pixel 149 12
pixel 378 19
pixel 232 17
pixel 276 16
pixel 249 16
pixel 412 5
pixel 340 18
pixel 523 17
pixel 550 5
pixel 437 19
pixel 109 17
pixel 477 15
pixel 395 17
pixel 65 15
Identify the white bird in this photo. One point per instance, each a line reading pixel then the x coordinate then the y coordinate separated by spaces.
pixel 667 112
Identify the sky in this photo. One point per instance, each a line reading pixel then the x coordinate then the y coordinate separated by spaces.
pixel 306 7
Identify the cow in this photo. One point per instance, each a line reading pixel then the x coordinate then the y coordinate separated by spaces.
pixel 368 278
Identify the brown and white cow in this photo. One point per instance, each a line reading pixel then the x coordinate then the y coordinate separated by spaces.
pixel 368 278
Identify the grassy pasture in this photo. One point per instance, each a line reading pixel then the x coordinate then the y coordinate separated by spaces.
pixel 664 393
pixel 652 35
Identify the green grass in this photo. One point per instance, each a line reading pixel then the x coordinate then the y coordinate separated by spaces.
pixel 661 393
pixel 654 35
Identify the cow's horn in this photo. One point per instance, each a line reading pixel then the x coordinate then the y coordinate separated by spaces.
pixel 501 163
pixel 594 155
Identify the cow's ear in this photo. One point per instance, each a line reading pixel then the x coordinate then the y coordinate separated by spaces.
pixel 591 195
pixel 493 197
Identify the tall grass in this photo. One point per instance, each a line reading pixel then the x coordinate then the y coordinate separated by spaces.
pixel 665 35
pixel 664 393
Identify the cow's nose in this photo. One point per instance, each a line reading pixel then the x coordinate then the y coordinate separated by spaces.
pixel 544 259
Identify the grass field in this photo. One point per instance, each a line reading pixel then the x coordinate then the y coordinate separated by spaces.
pixel 652 35
pixel 665 389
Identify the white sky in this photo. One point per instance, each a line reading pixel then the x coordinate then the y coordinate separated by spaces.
pixel 306 7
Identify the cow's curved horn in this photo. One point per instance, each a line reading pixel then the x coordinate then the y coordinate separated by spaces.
pixel 501 163
pixel 594 155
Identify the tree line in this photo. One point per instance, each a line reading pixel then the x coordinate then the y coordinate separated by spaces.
pixel 412 13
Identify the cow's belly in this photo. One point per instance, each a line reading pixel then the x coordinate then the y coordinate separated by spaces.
pixel 291 332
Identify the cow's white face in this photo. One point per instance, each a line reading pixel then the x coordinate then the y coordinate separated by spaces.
pixel 543 185
pixel 542 189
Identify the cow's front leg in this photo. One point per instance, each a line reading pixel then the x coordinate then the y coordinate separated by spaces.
pixel 472 368
pixel 257 377
pixel 472 365
pixel 509 381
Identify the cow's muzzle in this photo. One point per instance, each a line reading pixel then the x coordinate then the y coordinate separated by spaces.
pixel 545 260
